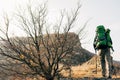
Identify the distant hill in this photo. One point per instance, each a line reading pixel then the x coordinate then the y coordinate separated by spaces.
pixel 79 54
pixel 81 61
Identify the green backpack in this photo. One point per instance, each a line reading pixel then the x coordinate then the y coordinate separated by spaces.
pixel 109 41
pixel 101 41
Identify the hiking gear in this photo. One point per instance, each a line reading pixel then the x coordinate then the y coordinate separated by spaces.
pixel 101 41
pixel 109 41
pixel 112 49
pixel 96 64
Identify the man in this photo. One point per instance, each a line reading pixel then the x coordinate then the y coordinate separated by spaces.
pixel 103 45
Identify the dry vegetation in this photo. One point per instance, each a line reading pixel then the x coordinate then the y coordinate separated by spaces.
pixel 52 55
pixel 70 60
pixel 88 69
pixel 85 66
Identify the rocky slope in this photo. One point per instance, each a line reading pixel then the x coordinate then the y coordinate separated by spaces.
pixel 82 62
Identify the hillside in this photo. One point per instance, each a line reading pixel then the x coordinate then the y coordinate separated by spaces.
pixel 92 70
pixel 81 63
pixel 79 55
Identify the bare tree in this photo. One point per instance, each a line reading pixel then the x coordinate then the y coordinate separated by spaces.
pixel 40 52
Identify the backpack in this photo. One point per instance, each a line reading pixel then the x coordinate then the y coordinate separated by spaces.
pixel 109 41
pixel 101 41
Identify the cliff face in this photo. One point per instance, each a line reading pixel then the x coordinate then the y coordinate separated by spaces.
pixel 79 55
pixel 70 40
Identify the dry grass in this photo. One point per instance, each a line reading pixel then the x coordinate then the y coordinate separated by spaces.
pixel 80 72
pixel 86 70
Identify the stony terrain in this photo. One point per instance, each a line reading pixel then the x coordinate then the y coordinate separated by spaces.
pixel 81 66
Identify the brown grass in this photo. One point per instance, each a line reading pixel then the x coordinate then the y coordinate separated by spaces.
pixel 86 71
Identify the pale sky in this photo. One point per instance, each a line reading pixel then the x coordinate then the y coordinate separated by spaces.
pixel 104 12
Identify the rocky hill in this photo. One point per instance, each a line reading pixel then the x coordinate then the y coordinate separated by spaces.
pixel 81 62
pixel 79 55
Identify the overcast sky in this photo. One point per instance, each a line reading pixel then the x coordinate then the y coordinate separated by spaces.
pixel 105 12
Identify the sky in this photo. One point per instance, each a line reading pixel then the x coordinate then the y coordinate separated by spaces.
pixel 105 12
